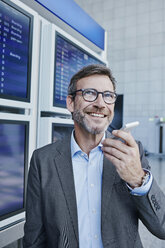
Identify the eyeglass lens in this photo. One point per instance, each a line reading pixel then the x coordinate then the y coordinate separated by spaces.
pixel 92 94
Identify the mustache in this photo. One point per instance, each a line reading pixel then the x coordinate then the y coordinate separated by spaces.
pixel 96 110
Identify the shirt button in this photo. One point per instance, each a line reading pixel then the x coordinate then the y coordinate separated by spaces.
pixel 95 236
pixel 92 185
pixel 93 210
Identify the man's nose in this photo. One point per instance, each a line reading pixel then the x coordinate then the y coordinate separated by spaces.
pixel 100 101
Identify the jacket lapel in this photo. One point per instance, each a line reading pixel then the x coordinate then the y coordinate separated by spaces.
pixel 108 178
pixel 109 173
pixel 63 164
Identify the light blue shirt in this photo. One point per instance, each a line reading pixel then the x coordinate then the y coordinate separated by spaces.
pixel 88 185
pixel 88 181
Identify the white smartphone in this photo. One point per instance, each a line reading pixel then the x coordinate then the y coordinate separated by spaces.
pixel 126 128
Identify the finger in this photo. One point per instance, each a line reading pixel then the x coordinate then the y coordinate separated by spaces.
pixel 119 145
pixel 110 157
pixel 115 152
pixel 119 165
pixel 126 136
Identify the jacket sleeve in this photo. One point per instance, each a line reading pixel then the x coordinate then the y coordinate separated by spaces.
pixel 151 207
pixel 34 232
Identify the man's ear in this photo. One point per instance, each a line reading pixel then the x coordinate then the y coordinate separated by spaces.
pixel 70 103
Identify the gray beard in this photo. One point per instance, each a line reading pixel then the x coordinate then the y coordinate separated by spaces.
pixel 80 119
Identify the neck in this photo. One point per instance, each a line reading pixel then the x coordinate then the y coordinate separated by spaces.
pixel 87 141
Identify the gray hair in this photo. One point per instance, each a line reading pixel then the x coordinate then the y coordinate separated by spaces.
pixel 90 70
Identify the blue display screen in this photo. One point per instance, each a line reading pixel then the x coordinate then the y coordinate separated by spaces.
pixel 60 131
pixel 15 50
pixel 117 122
pixel 69 59
pixel 13 161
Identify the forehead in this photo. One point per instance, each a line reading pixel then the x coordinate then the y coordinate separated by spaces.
pixel 98 82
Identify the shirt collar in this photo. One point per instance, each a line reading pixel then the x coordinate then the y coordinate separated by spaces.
pixel 75 147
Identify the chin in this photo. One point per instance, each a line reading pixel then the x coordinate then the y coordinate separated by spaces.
pixel 95 130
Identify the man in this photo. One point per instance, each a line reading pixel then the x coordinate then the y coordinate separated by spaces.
pixel 89 191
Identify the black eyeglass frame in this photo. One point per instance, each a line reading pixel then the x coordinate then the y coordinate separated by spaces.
pixel 97 93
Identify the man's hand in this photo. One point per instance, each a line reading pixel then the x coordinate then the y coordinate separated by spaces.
pixel 125 157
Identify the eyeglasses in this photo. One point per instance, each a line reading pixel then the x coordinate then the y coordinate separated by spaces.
pixel 90 95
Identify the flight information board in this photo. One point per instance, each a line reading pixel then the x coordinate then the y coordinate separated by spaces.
pixel 60 131
pixel 69 59
pixel 13 166
pixel 15 52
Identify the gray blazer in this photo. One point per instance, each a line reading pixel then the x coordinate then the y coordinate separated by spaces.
pixel 51 219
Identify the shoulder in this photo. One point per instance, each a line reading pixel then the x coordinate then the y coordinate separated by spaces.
pixel 53 149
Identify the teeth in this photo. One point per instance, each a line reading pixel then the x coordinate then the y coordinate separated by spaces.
pixel 97 115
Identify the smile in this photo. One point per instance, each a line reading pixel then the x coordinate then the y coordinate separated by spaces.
pixel 97 115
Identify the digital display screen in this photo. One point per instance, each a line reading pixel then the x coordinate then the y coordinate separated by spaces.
pixel 59 131
pixel 117 122
pixel 15 52
pixel 13 164
pixel 69 59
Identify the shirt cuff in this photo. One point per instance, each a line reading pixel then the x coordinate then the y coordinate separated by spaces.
pixel 144 189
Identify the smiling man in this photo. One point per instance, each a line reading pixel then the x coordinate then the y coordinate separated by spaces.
pixel 91 103
pixel 89 190
pixel 93 114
